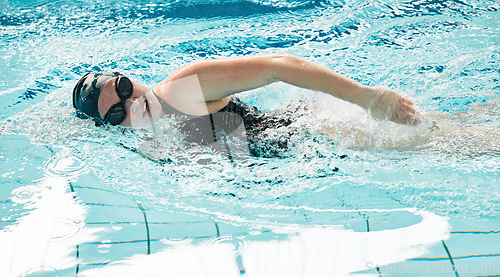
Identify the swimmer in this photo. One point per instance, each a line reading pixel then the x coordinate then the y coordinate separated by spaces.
pixel 204 90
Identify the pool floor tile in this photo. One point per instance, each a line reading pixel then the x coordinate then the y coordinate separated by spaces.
pixel 98 212
pixel 173 216
pixel 432 263
pixel 463 245
pixel 97 195
pixel 119 233
pixel 470 240
pixel 182 231
pixel 478 266
pixel 92 255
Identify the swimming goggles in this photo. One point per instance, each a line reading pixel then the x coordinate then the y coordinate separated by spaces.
pixel 117 112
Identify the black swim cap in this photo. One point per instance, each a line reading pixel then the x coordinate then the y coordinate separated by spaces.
pixel 86 94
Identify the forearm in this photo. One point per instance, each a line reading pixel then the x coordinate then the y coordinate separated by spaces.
pixel 382 103
pixel 305 74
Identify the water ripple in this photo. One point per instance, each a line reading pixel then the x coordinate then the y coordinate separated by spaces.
pixel 239 242
pixel 65 166
pixel 66 228
pixel 26 194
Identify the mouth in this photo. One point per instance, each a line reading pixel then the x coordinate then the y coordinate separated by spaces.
pixel 146 108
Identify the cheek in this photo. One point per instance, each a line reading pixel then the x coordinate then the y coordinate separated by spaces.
pixel 103 107
pixel 126 122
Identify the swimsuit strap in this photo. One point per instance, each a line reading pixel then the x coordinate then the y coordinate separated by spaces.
pixel 168 109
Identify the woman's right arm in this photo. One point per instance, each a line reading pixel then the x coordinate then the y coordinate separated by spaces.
pixel 223 77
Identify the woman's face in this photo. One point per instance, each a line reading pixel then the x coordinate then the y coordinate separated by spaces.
pixel 142 107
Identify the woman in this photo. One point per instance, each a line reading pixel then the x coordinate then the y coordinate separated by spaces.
pixel 203 89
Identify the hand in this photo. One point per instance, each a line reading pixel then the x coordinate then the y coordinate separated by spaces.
pixel 389 105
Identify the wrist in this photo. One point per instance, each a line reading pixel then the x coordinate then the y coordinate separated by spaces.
pixel 383 103
pixel 366 97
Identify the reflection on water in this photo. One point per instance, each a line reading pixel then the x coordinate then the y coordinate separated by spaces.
pixel 312 251
pixel 45 237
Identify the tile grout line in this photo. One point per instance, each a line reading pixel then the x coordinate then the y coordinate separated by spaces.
pixel 147 226
pixel 451 258
pixel 368 230
pixel 217 229
pixel 77 246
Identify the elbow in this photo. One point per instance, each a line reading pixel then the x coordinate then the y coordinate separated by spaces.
pixel 280 62
pixel 283 58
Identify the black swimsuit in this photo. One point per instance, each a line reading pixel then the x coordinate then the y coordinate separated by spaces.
pixel 212 129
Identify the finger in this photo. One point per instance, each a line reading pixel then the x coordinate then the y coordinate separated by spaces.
pixel 405 101
pixel 406 118
pixel 399 119
pixel 415 116
pixel 407 109
pixel 413 119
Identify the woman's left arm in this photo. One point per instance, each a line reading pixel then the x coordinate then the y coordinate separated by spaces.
pixel 224 77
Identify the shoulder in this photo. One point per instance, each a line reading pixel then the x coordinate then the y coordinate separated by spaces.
pixel 187 97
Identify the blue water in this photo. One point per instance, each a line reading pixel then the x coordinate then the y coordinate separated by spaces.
pixel 444 55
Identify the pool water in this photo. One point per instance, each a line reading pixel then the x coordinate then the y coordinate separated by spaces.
pixel 352 196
